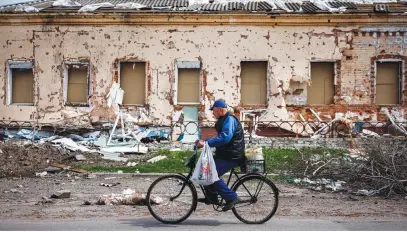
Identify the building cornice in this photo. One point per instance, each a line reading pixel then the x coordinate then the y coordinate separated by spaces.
pixel 177 18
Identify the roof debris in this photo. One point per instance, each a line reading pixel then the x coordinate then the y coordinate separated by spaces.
pixel 289 6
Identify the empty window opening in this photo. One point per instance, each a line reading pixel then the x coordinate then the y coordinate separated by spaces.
pixel 21 83
pixel 133 82
pixel 322 89
pixel 77 86
pixel 254 82
pixel 388 83
pixel 188 86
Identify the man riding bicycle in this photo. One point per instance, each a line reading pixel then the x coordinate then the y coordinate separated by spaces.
pixel 230 147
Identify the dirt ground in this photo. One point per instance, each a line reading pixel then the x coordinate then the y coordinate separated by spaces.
pixel 20 197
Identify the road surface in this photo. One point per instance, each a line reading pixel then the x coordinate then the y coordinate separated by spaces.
pixel 221 222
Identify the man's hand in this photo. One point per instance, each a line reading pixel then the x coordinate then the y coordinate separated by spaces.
pixel 200 143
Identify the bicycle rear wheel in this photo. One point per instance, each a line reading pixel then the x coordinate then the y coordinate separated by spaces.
pixel 259 199
pixel 169 200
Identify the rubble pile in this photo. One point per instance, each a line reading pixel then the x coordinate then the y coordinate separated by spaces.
pixel 25 160
pixel 377 168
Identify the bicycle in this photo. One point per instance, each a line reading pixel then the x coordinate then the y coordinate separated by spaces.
pixel 179 195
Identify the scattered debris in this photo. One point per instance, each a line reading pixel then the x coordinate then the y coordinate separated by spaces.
pixel 157 158
pixel 87 203
pixel 365 192
pixel 61 194
pixel 66 167
pixel 16 191
pixel 28 9
pixel 90 176
pixel 113 156
pixel 110 178
pixel 41 174
pixel 52 169
pixel 131 164
pixel 127 197
pixel 66 3
pixel 45 200
pixel 109 185
pixel 120 172
pixel 93 7
pixel 80 157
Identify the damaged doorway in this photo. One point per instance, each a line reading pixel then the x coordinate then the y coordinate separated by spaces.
pixel 388 83
pixel 190 126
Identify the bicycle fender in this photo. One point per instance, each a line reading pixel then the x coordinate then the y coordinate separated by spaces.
pixel 244 177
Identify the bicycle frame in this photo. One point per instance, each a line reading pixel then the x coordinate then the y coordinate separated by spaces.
pixel 191 164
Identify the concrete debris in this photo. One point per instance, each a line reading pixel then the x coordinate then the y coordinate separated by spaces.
pixel 45 200
pixel 52 169
pixel 66 3
pixel 109 185
pixel 90 176
pixel 131 164
pixel 112 156
pixel 16 191
pixel 20 186
pixel 41 174
pixel 80 157
pixel 157 158
pixel 93 7
pixel 62 194
pixel 71 145
pixel 110 178
pixel 1 152
pixel 127 197
pixel 365 192
pixel 87 203
pixel 136 149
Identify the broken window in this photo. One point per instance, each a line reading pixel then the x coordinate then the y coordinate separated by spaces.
pixel 133 82
pixel 21 83
pixel 322 89
pixel 188 91
pixel 254 82
pixel 76 83
pixel 388 83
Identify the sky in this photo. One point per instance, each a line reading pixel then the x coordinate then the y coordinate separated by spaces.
pixel 6 2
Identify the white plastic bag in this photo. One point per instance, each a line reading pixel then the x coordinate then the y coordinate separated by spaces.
pixel 205 170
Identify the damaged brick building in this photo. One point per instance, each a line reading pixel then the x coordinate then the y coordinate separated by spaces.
pixel 289 60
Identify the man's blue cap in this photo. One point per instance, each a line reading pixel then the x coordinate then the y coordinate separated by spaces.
pixel 219 103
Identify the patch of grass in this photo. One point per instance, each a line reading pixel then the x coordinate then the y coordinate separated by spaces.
pixel 173 164
pixel 290 162
pixel 282 161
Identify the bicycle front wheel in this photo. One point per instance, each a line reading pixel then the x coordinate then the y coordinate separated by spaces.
pixel 259 199
pixel 171 199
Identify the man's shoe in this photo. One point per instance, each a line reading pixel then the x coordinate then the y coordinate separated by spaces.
pixel 230 204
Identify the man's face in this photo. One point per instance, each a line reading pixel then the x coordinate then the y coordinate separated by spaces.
pixel 217 112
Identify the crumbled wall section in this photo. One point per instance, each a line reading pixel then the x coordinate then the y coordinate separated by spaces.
pixel 220 49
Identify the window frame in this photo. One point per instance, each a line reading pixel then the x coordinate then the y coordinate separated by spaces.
pixel 268 71
pixel 335 79
pixel 187 65
pixel 25 64
pixel 145 79
pixel 400 80
pixel 66 81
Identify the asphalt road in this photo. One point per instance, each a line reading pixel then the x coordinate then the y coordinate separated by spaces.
pixel 222 222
